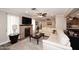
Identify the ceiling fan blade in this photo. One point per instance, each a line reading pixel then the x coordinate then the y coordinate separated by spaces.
pixel 39 14
pixel 44 14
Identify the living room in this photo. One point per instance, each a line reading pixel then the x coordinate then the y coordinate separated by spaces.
pixel 45 25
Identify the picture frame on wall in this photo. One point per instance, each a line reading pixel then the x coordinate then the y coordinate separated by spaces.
pixel 49 23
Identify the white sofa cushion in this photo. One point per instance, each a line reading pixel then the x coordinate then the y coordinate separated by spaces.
pixel 47 31
pixel 63 38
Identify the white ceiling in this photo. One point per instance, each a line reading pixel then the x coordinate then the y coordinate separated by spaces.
pixel 32 13
pixel 75 14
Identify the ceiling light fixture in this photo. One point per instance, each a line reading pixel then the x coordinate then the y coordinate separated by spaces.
pixel 78 14
pixel 33 8
pixel 70 19
pixel 40 16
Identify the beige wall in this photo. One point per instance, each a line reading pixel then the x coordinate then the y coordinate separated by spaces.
pixel 44 23
pixel 60 22
pixel 3 28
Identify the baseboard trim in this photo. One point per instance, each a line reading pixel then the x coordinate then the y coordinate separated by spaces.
pixel 4 42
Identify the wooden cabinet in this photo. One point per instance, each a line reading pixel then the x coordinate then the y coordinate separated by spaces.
pixel 71 23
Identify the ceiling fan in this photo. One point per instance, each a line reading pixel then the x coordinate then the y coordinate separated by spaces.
pixel 41 14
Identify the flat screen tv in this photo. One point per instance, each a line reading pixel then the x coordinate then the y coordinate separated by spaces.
pixel 26 21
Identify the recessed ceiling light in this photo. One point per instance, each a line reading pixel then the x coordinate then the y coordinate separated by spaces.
pixel 26 11
pixel 70 19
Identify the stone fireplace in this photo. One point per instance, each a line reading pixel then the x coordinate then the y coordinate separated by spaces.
pixel 25 31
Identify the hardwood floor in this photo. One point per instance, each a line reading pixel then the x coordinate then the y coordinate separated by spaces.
pixel 25 45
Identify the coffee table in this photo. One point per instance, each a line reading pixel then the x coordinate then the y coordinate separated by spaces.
pixel 37 37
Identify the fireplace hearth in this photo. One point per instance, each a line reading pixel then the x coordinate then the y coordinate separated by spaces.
pixel 27 32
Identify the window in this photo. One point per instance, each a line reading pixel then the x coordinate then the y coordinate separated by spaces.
pixel 11 21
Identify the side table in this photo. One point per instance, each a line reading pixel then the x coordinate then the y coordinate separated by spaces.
pixel 13 38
